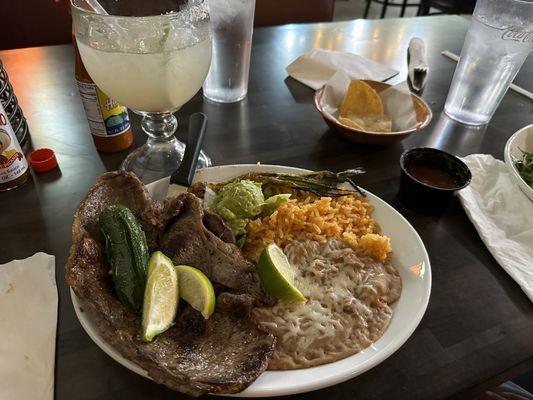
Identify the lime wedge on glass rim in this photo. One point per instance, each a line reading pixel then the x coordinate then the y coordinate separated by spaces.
pixel 160 296
pixel 196 289
pixel 277 274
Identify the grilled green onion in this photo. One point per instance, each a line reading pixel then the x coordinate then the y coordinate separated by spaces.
pixel 321 184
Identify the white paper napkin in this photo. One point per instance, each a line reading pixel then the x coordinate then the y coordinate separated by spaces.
pixel 317 66
pixel 397 101
pixel 28 315
pixel 502 215
pixel 417 67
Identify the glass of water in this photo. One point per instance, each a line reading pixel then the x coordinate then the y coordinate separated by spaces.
pixel 498 42
pixel 232 24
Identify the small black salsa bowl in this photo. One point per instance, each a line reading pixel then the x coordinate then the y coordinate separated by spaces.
pixel 429 177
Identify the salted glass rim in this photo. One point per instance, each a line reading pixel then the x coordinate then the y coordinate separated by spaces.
pixel 170 14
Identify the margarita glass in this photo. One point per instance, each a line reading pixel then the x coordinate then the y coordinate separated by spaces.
pixel 152 57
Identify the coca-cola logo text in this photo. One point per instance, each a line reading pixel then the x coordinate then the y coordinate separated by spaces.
pixel 517 35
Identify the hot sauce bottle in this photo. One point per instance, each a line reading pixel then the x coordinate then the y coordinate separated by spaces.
pixel 14 169
pixel 109 121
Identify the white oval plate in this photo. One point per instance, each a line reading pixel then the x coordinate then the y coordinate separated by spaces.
pixel 523 139
pixel 409 257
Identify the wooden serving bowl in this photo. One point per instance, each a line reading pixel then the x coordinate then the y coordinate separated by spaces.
pixel 422 110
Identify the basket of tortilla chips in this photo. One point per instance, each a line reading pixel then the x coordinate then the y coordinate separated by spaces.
pixel 371 112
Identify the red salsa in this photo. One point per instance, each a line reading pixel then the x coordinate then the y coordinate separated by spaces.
pixel 431 175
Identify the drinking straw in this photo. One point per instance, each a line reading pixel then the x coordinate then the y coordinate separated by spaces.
pixel 97 7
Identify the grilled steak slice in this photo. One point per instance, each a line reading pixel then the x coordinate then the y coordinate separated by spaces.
pixel 186 240
pixel 198 189
pixel 221 355
pixel 212 221
pixel 238 304
pixel 224 354
pixel 112 188
pixel 218 227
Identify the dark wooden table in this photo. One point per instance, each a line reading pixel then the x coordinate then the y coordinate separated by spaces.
pixel 478 329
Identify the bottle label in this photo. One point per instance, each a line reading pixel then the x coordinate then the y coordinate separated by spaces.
pixel 106 117
pixel 12 161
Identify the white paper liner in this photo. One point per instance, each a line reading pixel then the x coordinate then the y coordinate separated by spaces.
pixel 397 101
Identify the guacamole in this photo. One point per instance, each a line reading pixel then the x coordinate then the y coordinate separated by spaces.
pixel 239 201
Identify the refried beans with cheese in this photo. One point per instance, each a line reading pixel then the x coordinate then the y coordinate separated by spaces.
pixel 349 295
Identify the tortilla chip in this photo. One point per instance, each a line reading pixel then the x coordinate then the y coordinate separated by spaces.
pixel 361 99
pixel 373 123
pixel 348 122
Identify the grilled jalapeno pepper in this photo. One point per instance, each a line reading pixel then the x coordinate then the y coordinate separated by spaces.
pixel 127 253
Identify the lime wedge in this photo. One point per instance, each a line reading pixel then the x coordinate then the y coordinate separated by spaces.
pixel 277 274
pixel 196 289
pixel 160 296
pixel 157 258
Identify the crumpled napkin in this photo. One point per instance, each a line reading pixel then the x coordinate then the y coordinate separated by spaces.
pixel 28 315
pixel 397 101
pixel 317 66
pixel 502 215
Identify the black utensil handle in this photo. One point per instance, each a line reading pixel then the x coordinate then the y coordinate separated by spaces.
pixel 185 173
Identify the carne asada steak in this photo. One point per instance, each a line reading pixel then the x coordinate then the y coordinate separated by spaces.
pixel 216 225
pixel 223 354
pixel 187 240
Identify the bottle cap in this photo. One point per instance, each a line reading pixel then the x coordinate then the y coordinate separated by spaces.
pixel 43 160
